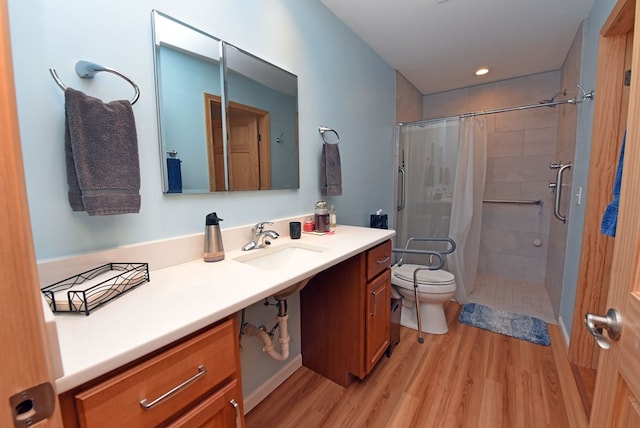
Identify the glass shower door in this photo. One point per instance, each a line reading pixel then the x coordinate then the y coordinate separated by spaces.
pixel 428 156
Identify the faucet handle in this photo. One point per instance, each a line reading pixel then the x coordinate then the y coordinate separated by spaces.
pixel 260 226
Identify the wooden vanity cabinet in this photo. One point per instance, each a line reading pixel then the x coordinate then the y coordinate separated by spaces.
pixel 199 378
pixel 345 314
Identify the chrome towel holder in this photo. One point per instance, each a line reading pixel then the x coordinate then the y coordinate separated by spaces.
pixel 87 70
pixel 328 139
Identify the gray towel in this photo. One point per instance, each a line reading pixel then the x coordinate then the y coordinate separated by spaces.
pixel 330 174
pixel 101 149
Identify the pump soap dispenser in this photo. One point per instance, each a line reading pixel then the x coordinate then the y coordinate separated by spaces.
pixel 213 251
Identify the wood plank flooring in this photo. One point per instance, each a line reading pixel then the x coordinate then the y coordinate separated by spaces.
pixel 466 378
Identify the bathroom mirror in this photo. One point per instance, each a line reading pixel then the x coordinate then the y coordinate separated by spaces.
pixel 228 120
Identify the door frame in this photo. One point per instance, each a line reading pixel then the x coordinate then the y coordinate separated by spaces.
pixel 609 122
pixel 25 362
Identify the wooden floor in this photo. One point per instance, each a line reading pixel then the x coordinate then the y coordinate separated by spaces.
pixel 466 378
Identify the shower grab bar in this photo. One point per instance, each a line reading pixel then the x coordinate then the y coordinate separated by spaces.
pixel 513 201
pixel 402 173
pixel 557 186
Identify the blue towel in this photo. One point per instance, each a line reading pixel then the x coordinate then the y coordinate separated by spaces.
pixel 610 217
pixel 174 175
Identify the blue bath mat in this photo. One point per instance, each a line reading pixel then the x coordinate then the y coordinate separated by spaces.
pixel 507 323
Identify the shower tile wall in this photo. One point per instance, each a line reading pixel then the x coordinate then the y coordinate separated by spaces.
pixel 521 146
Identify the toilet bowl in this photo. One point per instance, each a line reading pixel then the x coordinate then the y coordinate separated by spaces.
pixel 434 288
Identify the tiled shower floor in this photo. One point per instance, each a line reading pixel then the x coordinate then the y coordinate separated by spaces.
pixel 514 296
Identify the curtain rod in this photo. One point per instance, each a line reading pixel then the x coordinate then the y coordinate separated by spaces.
pixel 576 100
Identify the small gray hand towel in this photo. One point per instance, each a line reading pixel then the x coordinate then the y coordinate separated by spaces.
pixel 101 150
pixel 330 171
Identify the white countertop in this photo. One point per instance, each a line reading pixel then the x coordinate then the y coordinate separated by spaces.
pixel 186 297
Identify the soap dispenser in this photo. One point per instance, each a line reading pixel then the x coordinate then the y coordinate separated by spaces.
pixel 213 250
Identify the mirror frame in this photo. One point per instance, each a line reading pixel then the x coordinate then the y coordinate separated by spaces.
pixel 221 147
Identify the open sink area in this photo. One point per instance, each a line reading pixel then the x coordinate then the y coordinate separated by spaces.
pixel 279 257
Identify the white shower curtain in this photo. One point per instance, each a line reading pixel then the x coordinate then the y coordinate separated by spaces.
pixel 466 210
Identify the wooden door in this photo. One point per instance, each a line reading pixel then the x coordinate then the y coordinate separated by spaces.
pixel 24 360
pixel 243 154
pixel 609 123
pixel 248 146
pixel 616 401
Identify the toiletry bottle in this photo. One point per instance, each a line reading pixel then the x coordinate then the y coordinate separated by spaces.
pixel 332 217
pixel 213 250
pixel 308 225
pixel 321 216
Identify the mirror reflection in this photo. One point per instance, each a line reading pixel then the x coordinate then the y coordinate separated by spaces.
pixel 251 143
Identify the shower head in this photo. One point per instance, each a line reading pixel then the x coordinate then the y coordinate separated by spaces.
pixel 553 98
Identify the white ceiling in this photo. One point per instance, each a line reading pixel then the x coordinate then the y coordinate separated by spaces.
pixel 438 44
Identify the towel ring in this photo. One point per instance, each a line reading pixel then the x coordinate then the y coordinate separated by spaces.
pixel 323 130
pixel 87 70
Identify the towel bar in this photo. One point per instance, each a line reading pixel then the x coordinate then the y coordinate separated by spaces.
pixel 513 201
pixel 87 70
pixel 328 140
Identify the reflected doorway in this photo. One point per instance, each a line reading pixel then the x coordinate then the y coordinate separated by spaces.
pixel 248 146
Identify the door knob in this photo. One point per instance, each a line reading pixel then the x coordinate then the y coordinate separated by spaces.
pixel 612 322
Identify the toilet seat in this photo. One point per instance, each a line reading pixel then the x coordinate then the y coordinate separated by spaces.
pixel 429 281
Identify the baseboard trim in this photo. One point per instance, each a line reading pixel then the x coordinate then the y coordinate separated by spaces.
pixel 253 399
pixel 565 334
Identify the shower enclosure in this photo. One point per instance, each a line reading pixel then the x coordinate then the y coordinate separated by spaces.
pixel 441 185
pixel 521 260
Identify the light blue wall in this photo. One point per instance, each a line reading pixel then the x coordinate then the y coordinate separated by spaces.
pixel 342 84
pixel 591 32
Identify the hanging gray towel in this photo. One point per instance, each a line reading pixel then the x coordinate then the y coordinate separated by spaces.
pixel 330 171
pixel 101 149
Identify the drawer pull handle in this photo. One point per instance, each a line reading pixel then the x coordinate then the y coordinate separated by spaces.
pixel 381 261
pixel 201 372
pixel 235 405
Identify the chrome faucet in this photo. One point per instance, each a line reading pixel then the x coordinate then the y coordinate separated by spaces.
pixel 260 236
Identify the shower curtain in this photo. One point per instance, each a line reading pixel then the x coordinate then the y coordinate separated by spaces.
pixel 466 210
pixel 445 164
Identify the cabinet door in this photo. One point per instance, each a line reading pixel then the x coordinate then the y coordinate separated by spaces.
pixel 220 410
pixel 377 325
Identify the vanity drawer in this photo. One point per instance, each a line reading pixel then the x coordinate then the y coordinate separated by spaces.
pixel 198 365
pixel 378 259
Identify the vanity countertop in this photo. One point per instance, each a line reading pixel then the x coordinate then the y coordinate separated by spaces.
pixel 186 297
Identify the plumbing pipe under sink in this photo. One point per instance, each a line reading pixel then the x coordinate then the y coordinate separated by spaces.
pixel 268 348
pixel 282 317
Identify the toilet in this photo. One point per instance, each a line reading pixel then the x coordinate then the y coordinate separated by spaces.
pixel 434 288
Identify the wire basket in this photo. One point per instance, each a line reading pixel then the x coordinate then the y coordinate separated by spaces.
pixel 89 290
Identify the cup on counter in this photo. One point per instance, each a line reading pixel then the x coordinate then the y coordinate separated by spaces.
pixel 295 229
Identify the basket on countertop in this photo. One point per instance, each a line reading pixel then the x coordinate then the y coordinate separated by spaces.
pixel 86 291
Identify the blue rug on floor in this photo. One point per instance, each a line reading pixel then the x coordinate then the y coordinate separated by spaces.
pixel 507 323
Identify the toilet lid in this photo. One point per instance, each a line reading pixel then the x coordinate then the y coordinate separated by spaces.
pixel 425 277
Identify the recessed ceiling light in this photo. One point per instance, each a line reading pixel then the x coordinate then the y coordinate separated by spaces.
pixel 481 71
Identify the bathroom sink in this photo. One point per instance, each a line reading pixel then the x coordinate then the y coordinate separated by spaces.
pixel 279 257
